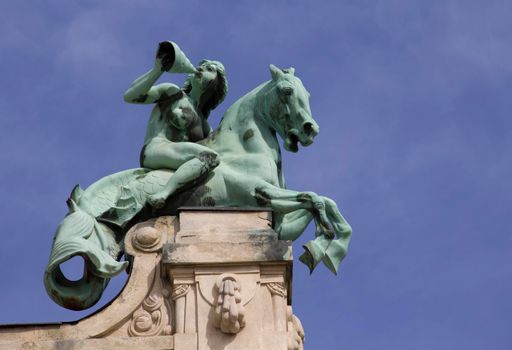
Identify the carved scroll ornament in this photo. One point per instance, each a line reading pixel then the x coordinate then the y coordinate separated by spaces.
pixel 153 317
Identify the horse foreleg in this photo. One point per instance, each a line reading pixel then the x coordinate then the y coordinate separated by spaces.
pixel 330 251
pixel 299 209
pixel 287 201
pixel 337 249
pixel 290 226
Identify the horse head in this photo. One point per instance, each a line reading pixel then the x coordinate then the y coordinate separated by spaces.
pixel 286 108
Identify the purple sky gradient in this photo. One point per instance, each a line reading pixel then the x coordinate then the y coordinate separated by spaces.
pixel 414 101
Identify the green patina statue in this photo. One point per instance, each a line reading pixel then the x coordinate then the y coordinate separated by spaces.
pixel 185 163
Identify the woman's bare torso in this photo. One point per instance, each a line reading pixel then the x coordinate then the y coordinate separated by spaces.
pixel 174 118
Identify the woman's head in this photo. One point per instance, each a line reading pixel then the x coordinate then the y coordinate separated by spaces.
pixel 210 77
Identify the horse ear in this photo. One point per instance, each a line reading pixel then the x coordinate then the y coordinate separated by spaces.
pixel 290 70
pixel 275 72
pixel 74 197
pixel 76 193
pixel 72 206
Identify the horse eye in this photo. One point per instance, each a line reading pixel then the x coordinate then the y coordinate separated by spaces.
pixel 287 91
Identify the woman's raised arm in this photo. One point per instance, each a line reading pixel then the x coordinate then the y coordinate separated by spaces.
pixel 169 57
pixel 143 91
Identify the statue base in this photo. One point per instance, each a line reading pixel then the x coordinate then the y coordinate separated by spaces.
pixel 207 279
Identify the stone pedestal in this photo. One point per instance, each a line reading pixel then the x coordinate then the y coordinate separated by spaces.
pixel 230 276
pixel 208 279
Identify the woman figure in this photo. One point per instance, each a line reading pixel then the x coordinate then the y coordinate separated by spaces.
pixel 179 118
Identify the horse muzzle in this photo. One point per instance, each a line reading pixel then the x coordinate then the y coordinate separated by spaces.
pixel 291 142
pixel 305 136
pixel 310 129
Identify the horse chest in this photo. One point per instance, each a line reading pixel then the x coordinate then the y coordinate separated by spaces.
pixel 256 141
pixel 260 166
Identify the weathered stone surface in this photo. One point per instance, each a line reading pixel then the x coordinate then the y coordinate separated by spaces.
pixel 211 236
pixel 237 298
pixel 204 253
pixel 205 224
pixel 121 343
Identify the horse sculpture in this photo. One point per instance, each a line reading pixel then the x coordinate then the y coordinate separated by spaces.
pixel 247 143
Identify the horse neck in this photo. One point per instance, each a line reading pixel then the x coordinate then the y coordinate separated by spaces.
pixel 246 113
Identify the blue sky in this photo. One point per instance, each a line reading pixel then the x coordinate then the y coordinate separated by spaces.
pixel 414 102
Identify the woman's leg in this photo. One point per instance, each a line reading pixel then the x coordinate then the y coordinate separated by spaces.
pixel 189 160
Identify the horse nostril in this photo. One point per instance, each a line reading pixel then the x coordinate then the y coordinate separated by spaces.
pixel 308 127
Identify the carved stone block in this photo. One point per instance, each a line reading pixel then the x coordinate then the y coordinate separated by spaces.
pixel 241 274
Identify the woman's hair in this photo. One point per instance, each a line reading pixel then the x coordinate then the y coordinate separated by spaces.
pixel 214 93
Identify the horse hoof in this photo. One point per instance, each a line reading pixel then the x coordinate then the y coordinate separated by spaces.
pixel 307 259
pixel 334 254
